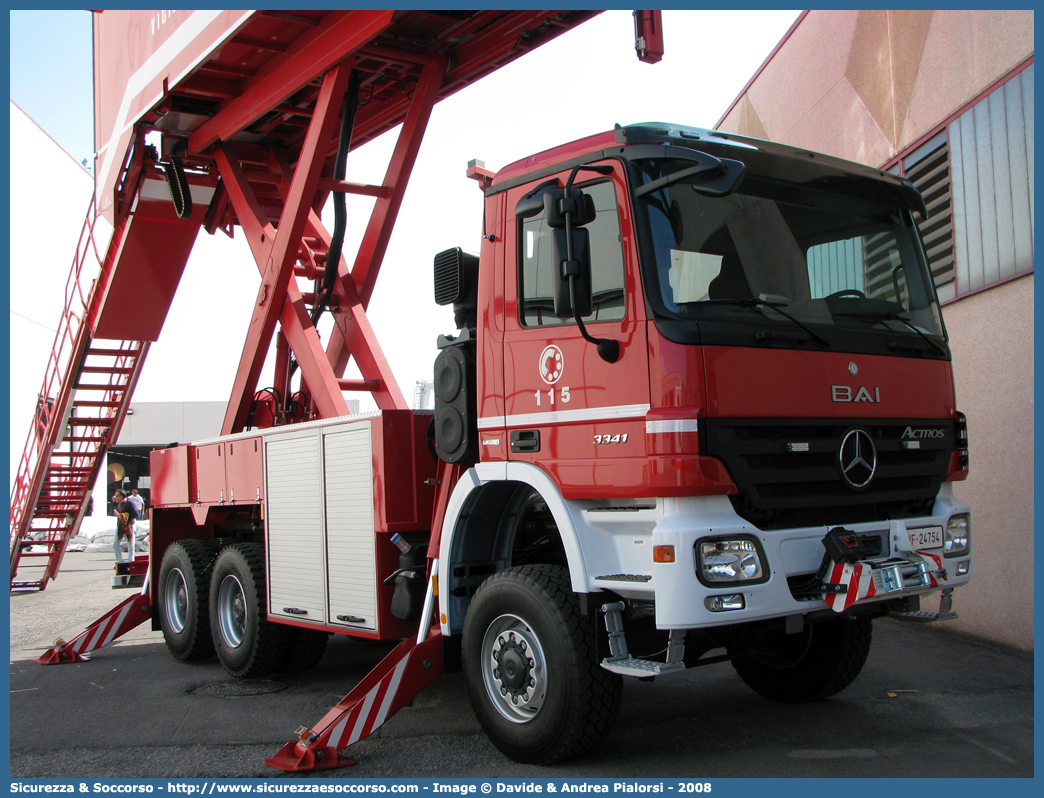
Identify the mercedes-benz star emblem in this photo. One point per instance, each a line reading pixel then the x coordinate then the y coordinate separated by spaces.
pixel 857 459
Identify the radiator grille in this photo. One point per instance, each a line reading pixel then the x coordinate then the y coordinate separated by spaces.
pixel 787 470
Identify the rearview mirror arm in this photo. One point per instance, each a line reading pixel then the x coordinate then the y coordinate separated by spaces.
pixel 608 349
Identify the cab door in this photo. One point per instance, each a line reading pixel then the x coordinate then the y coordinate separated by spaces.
pixel 568 411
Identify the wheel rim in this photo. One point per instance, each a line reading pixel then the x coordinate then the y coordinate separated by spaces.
pixel 514 669
pixel 232 611
pixel 175 600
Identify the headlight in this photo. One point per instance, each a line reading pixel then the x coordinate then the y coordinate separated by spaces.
pixel 730 560
pixel 957 539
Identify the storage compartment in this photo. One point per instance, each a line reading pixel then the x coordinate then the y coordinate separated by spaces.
pixel 244 471
pixel 207 473
pixel 334 495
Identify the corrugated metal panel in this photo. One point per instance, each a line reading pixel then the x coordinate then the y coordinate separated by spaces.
pixel 834 267
pixel 928 168
pixel 294 526
pixel 351 545
pixel 991 148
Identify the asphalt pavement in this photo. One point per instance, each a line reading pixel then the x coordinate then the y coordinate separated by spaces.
pixel 928 704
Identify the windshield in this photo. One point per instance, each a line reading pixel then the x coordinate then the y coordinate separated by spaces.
pixel 833 269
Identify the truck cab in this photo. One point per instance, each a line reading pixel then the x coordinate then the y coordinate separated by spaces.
pixel 709 377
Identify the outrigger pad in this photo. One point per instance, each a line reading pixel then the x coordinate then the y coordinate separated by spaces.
pixel 408 669
pixel 294 757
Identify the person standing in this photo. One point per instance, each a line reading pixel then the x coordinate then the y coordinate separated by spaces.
pixel 126 515
pixel 138 502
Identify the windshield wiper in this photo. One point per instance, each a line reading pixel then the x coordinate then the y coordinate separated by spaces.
pixel 883 315
pixel 774 302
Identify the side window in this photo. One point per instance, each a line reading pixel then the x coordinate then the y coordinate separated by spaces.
pixel 536 269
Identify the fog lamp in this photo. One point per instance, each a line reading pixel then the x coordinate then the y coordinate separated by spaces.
pixel 729 560
pixel 962 568
pixel 957 538
pixel 725 603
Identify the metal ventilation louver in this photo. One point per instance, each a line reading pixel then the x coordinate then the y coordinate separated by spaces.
pixel 449 276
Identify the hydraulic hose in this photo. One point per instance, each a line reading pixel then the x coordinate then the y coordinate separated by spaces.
pixel 333 257
pixel 344 141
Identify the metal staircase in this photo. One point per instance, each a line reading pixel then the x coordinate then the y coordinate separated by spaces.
pixel 86 390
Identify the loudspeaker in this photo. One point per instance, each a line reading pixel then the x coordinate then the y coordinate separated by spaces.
pixel 456 424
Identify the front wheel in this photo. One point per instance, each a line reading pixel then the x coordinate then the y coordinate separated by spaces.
pixel 531 667
pixel 816 663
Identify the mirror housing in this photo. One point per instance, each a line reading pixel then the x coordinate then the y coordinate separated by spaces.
pixel 580 265
pixel 558 203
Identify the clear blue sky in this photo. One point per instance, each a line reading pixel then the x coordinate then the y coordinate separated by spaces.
pixel 51 68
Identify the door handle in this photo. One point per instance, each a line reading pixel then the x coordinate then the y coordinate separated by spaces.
pixel 525 440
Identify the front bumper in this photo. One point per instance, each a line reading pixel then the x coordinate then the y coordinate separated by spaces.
pixel 793 559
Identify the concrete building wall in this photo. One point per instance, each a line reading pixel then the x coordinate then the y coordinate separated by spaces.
pixel 991 336
pixel 160 423
pixel 867 86
pixel 864 85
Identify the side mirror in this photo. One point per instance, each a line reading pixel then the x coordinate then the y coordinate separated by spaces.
pixel 579 265
pixel 557 203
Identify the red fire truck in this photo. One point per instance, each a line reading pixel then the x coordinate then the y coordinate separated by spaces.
pixel 697 407
pixel 699 401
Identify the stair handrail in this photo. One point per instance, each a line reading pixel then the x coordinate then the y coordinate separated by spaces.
pixel 60 364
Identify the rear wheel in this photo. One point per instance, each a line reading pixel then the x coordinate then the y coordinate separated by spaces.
pixel 531 667
pixel 304 649
pixel 814 664
pixel 184 598
pixel 247 644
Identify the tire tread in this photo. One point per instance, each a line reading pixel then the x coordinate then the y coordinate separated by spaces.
pixel 595 692
pixel 832 663
pixel 270 643
pixel 200 556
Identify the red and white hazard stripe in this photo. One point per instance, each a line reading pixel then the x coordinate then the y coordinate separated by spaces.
pixel 115 623
pixel 371 712
pixel 857 578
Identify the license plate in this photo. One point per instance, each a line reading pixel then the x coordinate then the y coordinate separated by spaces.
pixel 928 538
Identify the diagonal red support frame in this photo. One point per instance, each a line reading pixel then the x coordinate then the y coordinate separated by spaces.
pixel 339 35
pixel 294 320
pixel 357 338
pixel 278 270
pixel 374 245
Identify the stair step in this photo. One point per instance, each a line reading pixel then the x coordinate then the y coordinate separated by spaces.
pixel 93 386
pixel 107 370
pixel 83 421
pixel 632 666
pixel 96 403
pixel 27 543
pixel 114 352
pixel 83 439
pixel 923 616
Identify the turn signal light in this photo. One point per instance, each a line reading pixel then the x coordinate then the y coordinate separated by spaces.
pixel 663 553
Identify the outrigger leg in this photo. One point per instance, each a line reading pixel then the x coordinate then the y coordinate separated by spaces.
pixel 114 624
pixel 409 668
